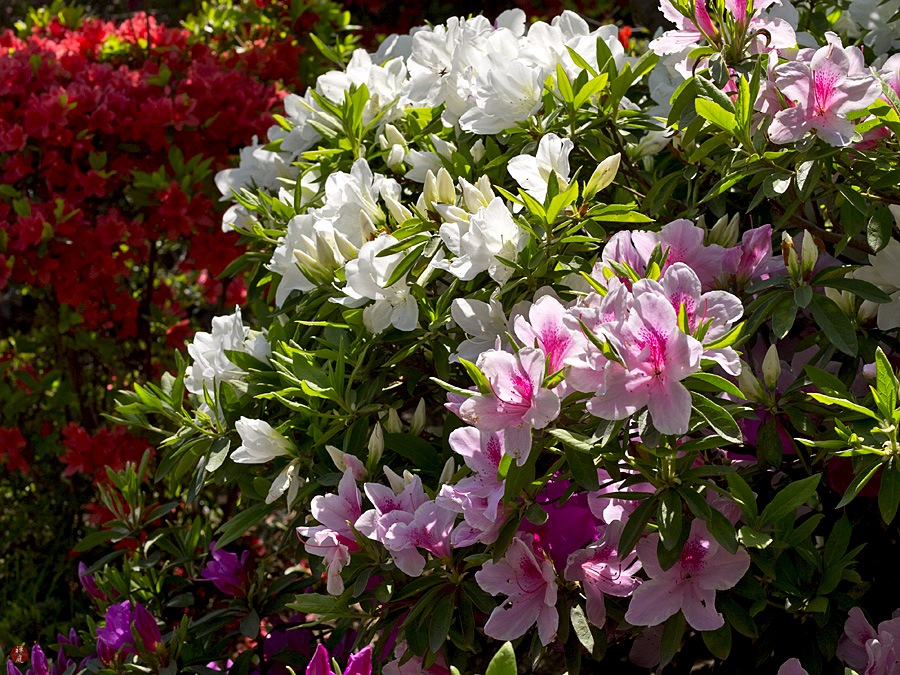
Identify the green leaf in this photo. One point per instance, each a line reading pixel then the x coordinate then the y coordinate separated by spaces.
pixel 727 340
pixel 753 538
pixel 635 525
pixel 717 382
pixel 420 452
pixel 669 519
pixel 573 440
pixel 835 324
pixel 440 621
pixel 719 419
pixel 886 384
pixel 863 471
pixel 504 661
pixel 788 499
pixel 716 114
pixel 582 628
pixel 879 229
pixel 858 287
pixel 718 641
pixel 670 643
pixel 743 495
pixel 802 295
pixel 314 603
pixel 844 403
pixel 583 469
pixel 238 526
pixel 250 625
pixel 889 494
pixel 769 449
pixel 478 377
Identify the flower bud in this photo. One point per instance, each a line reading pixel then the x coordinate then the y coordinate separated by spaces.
pixel 771 368
pixel 146 628
pixel 418 420
pixel 809 253
pixel 445 187
pixel 868 310
pixel 477 150
pixel 725 232
pixel 870 371
pixel 393 425
pixel 448 471
pixel 337 456
pixel 603 175
pixel 395 481
pixel 748 384
pixel 791 261
pixel 39 665
pixel 376 447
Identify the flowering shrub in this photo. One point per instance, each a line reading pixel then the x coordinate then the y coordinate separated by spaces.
pixel 566 353
pixel 109 255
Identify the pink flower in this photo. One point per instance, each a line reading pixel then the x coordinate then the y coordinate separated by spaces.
pixel 682 241
pixel 479 498
pixel 600 570
pixel 518 401
pixel 690 585
pixel 868 651
pixel 227 572
pixel 656 356
pixel 529 583
pixel 546 330
pixel 822 93
pixel 717 311
pixel 792 667
pixel 429 529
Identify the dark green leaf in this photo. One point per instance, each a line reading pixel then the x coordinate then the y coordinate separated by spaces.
pixel 835 324
pixel 669 519
pixel 718 641
pixel 719 419
pixel 788 499
pixel 889 494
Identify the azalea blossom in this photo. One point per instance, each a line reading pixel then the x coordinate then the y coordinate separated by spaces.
pixel 884 271
pixel 690 585
pixel 602 571
pixel 260 443
pixel 821 94
pixel 533 173
pixel 870 651
pixel 529 583
pixel 518 401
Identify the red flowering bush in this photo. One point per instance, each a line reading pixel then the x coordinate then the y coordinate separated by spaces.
pixel 110 249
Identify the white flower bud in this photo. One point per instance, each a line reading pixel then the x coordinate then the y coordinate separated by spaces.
pixel 395 158
pixel 809 252
pixel 603 175
pixel 447 472
pixel 344 246
pixel 748 384
pixel 445 189
pixel 376 447
pixel 790 256
pixel 477 150
pixel 771 368
pixel 418 420
pixel 259 442
pixel 337 456
pixel 395 481
pixel 393 425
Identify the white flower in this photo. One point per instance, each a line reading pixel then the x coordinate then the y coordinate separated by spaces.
pixel 259 168
pixel 489 233
pixel 508 92
pixel 484 322
pixel 301 136
pixel 533 173
pixel 873 15
pixel 366 279
pixel 260 443
pixel 210 366
pixel 384 83
pixel 884 272
pixel 288 480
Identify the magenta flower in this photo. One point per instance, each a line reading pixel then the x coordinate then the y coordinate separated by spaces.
pixel 657 355
pixel 690 585
pixel 146 628
pixel 601 571
pixel 358 664
pixel 518 401
pixel 227 572
pixel 822 93
pixel 751 260
pixel 682 241
pixel 88 584
pixel 568 527
pixel 869 651
pixel 116 634
pixel 529 583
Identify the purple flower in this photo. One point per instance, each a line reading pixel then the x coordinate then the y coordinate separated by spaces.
pixel 227 572
pixel 869 651
pixel 358 664
pixel 116 634
pixel 39 665
pixel 568 527
pixel 88 583
pixel 146 628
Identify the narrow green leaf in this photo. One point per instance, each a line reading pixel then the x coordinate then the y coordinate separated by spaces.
pixel 789 498
pixel 889 494
pixel 835 324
